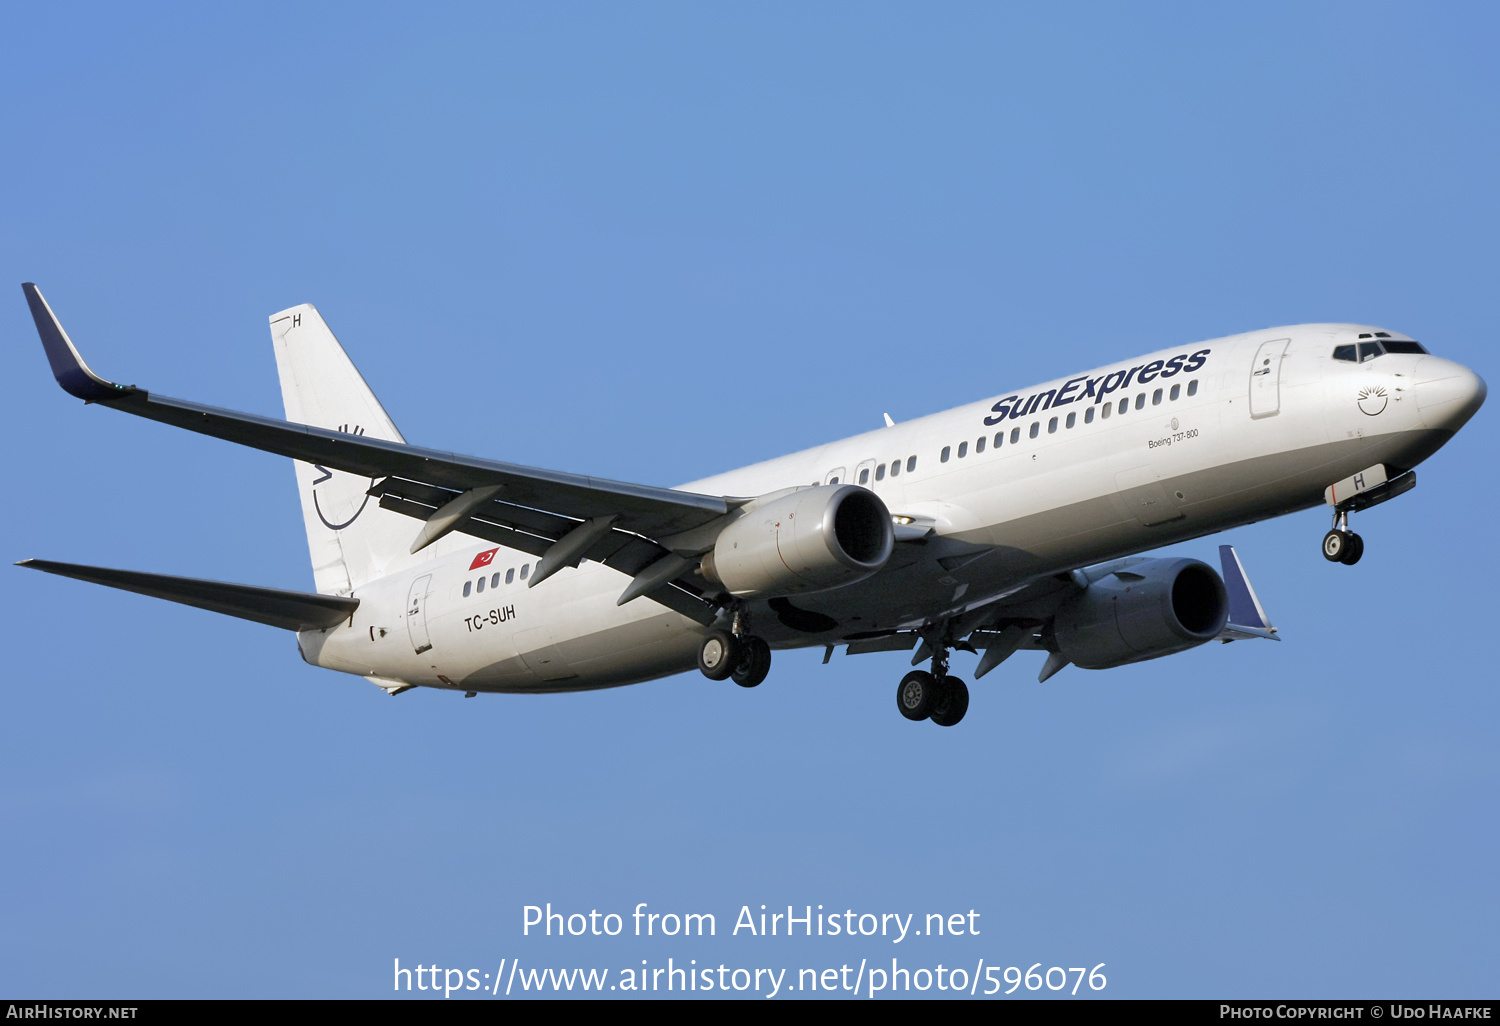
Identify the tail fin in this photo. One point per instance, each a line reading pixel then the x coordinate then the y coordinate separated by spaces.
pixel 350 538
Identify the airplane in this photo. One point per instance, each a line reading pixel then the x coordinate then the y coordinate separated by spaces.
pixel 1011 523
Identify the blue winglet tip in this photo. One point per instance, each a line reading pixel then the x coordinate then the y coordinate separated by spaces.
pixel 1243 607
pixel 67 366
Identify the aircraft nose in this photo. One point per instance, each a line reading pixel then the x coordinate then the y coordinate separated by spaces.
pixel 1448 393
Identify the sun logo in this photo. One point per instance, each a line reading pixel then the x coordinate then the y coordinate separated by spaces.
pixel 1372 400
pixel 340 498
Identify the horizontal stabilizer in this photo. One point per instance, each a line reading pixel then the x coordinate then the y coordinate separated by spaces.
pixel 289 610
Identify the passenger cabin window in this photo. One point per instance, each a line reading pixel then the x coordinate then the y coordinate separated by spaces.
pixel 1345 353
pixel 1193 387
pixel 895 467
pixel 864 476
pixel 495 580
pixel 944 457
pixel 979 445
pixel 1108 409
pixel 1124 405
pixel 880 472
pixel 1015 435
pixel 1072 419
pixel 468 586
pixel 480 586
pixel 999 438
pixel 510 575
pixel 524 567
pixel 1176 391
pixel 963 449
pixel 1156 398
pixel 1140 401
pixel 911 464
pixel 1088 415
pixel 1052 426
pixel 1036 428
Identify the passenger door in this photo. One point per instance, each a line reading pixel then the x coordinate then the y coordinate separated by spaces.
pixel 416 614
pixel 1265 379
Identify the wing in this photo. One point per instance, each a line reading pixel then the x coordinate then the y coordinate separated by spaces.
pixel 559 516
pixel 1021 618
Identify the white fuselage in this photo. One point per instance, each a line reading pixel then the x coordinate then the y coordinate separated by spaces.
pixel 1030 482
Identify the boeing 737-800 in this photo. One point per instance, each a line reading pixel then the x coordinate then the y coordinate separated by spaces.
pixel 1010 523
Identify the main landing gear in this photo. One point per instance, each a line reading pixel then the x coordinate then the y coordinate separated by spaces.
pixel 1342 545
pixel 933 696
pixel 735 654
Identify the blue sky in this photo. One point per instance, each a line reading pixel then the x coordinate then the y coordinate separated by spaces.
pixel 652 242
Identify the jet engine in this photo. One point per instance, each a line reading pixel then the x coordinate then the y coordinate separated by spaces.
pixel 812 539
pixel 1149 609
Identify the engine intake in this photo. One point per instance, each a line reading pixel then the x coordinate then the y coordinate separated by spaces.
pixel 812 539
pixel 1150 609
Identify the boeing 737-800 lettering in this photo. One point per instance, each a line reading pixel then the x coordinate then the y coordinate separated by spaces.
pixel 1011 523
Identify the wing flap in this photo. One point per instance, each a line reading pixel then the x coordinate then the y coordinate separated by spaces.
pixel 289 610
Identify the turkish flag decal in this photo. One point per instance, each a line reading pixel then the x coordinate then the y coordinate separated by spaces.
pixel 483 559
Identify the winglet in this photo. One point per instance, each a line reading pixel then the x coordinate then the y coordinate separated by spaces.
pixel 67 366
pixel 1247 617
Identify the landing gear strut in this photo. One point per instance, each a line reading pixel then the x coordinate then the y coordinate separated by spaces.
pixel 935 696
pixel 1342 545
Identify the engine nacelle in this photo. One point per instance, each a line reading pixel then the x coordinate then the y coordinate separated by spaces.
pixel 810 540
pixel 1147 610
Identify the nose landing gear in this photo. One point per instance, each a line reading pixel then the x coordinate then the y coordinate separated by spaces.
pixel 1342 545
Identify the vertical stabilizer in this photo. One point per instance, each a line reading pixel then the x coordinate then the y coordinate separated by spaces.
pixel 350 538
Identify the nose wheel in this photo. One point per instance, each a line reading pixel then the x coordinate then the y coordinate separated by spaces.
pixel 1342 545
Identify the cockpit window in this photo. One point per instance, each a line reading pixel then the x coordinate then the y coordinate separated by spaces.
pixel 1345 353
pixel 1369 351
pixel 1397 346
